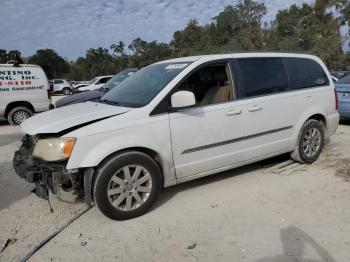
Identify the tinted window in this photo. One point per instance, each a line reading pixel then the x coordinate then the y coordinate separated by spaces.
pixel 58 81
pixel 104 80
pixel 304 73
pixel 261 76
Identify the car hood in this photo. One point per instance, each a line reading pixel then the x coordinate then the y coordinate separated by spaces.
pixel 88 87
pixel 68 117
pixel 80 97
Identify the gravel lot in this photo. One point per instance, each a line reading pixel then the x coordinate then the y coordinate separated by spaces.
pixel 261 212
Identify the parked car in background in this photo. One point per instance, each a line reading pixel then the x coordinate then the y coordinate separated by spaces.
pixel 24 90
pixel 179 120
pixel 62 86
pixel 343 92
pixel 340 74
pixel 94 95
pixel 94 84
pixel 80 84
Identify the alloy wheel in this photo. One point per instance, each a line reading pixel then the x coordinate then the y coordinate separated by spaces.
pixel 129 187
pixel 312 142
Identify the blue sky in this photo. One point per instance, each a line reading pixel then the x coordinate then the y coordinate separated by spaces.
pixel 72 26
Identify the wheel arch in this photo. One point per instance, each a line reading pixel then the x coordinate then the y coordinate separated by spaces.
pixel 147 151
pixel 319 117
pixel 91 172
pixel 14 104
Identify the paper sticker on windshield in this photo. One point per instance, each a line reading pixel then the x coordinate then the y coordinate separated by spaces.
pixel 176 66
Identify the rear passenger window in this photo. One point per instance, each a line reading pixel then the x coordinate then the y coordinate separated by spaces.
pixel 261 76
pixel 304 73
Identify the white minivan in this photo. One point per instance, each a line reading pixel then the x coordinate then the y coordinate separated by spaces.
pixel 24 90
pixel 179 120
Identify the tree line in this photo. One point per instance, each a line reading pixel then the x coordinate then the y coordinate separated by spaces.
pixel 313 29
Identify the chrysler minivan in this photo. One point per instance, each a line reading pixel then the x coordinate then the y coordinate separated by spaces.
pixel 179 120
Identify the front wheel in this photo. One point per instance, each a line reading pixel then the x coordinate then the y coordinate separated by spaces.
pixel 18 114
pixel 310 142
pixel 127 185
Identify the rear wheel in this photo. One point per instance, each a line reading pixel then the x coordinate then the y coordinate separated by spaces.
pixel 67 91
pixel 18 114
pixel 127 185
pixel 310 142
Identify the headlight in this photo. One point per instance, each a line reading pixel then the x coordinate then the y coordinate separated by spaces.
pixel 54 149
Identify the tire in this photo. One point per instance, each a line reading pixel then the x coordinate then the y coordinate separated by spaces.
pixel 310 142
pixel 66 91
pixel 116 190
pixel 18 114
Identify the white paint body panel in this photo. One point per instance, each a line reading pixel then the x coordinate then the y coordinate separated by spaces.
pixel 171 134
pixel 65 117
pixel 194 128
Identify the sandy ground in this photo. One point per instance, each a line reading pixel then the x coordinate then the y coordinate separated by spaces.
pixel 255 213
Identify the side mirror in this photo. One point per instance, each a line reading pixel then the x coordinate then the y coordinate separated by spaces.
pixel 182 99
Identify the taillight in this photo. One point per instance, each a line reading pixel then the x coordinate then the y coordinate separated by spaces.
pixel 49 93
pixel 336 99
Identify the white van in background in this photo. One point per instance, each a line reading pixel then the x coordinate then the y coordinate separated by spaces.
pixel 24 90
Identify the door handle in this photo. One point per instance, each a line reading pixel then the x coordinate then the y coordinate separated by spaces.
pixel 232 112
pixel 254 108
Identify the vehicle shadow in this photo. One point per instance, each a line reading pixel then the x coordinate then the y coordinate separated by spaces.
pixel 170 192
pixel 3 122
pixel 294 242
pixel 345 122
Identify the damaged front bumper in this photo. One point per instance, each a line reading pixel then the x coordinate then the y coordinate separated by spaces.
pixel 68 185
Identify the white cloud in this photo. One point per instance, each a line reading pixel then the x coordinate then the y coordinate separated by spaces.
pixel 72 26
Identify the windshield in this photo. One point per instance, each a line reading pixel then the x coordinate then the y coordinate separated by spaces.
pixel 144 85
pixel 115 80
pixel 92 81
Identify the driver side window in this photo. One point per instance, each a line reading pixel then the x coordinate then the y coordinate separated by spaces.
pixel 210 84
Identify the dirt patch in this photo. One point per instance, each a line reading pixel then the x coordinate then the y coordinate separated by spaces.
pixel 342 168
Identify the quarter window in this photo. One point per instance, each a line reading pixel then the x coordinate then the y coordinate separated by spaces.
pixel 261 76
pixel 304 73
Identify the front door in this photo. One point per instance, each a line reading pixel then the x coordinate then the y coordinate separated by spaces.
pixel 207 137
